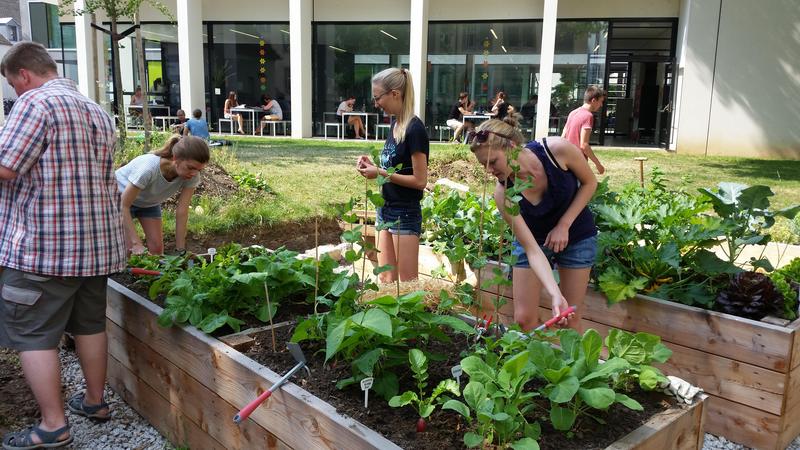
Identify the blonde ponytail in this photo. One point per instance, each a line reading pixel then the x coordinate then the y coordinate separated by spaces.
pixel 394 79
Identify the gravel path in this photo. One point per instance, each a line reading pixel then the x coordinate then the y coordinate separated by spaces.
pixel 128 430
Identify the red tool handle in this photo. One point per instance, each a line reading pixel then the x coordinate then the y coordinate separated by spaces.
pixel 247 410
pixel 555 319
pixel 140 271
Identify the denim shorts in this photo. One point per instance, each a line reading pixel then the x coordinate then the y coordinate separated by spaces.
pixel 578 255
pixel 404 220
pixel 150 212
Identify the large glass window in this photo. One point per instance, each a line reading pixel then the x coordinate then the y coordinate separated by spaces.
pixel 346 56
pixel 250 59
pixel 45 28
pixel 69 56
pixel 580 59
pixel 482 59
pixel 162 70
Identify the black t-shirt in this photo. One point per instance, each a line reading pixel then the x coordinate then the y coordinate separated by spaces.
pixel 502 110
pixel 416 140
pixel 455 113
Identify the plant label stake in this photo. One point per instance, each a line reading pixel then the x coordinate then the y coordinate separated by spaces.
pixel 366 383
pixel 555 319
pixel 295 350
pixel 211 252
pixel 456 371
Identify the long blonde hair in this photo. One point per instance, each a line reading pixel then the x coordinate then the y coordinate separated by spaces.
pixel 394 79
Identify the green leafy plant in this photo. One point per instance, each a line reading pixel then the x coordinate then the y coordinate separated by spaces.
pixel 787 282
pixel 249 180
pixel 746 215
pixel 423 404
pixel 641 350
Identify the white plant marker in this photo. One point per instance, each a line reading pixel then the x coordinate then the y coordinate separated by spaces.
pixel 366 383
pixel 211 252
pixel 456 371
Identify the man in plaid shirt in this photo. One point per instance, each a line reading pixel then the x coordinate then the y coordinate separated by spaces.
pixel 60 237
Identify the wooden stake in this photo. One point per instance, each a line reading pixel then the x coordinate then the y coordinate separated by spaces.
pixel 364 236
pixel 269 308
pixel 641 160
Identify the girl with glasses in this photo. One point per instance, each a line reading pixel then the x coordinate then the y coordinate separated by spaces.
pixel 406 147
pixel 554 227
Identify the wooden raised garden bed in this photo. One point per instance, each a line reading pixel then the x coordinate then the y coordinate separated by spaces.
pixel 749 368
pixel 190 385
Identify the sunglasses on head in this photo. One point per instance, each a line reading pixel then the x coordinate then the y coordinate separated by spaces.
pixel 480 137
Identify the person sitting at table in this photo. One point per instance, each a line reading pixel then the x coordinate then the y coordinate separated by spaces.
pixel 355 121
pixel 499 106
pixel 137 99
pixel 178 126
pixel 197 126
pixel 456 120
pixel 272 108
pixel 233 102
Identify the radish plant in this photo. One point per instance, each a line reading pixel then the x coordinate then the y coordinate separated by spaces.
pixel 423 404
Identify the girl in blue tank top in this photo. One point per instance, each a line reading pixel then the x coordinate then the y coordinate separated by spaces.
pixel 554 227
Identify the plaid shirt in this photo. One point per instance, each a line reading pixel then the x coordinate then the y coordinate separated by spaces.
pixel 60 216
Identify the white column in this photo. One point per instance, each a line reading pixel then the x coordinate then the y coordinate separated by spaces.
pixel 85 46
pixel 418 53
pixel 190 55
pixel 546 67
pixel 698 28
pixel 300 15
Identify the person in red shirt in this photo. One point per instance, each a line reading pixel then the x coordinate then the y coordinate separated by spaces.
pixel 580 121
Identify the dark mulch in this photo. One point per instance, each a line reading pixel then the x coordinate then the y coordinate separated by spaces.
pixel 445 429
pixel 298 236
pixel 17 405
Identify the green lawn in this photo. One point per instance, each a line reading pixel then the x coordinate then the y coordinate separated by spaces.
pixel 309 177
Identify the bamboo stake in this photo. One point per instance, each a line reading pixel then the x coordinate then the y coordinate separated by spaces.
pixel 476 294
pixel 364 236
pixel 316 259
pixel 271 325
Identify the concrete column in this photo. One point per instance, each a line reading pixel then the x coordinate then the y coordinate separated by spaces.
pixel 190 55
pixel 301 12
pixel 696 54
pixel 550 15
pixel 418 53
pixel 85 46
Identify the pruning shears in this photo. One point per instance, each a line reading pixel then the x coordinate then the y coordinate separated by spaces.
pixel 555 319
pixel 482 326
pixel 138 271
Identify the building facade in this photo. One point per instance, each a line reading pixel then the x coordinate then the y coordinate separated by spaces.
pixel 717 77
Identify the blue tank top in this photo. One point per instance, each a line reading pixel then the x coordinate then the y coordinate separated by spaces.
pixel 562 185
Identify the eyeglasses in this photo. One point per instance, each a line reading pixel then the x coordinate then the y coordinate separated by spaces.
pixel 480 137
pixel 376 98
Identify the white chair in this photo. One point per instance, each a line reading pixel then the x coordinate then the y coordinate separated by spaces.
pixel 444 129
pixel 382 127
pixel 229 122
pixel 333 121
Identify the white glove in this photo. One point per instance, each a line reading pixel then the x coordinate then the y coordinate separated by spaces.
pixel 680 389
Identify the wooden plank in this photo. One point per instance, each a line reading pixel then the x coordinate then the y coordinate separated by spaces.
pixel 737 381
pixel 790 427
pixel 741 339
pixel 762 344
pixel 243 340
pixel 296 417
pixel 675 429
pixel 166 418
pixel 199 404
pixel 742 424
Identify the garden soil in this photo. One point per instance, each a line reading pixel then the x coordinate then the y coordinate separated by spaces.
pixel 297 236
pixel 17 405
pixel 445 431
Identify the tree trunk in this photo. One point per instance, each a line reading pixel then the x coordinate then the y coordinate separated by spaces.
pixel 118 95
pixel 140 56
